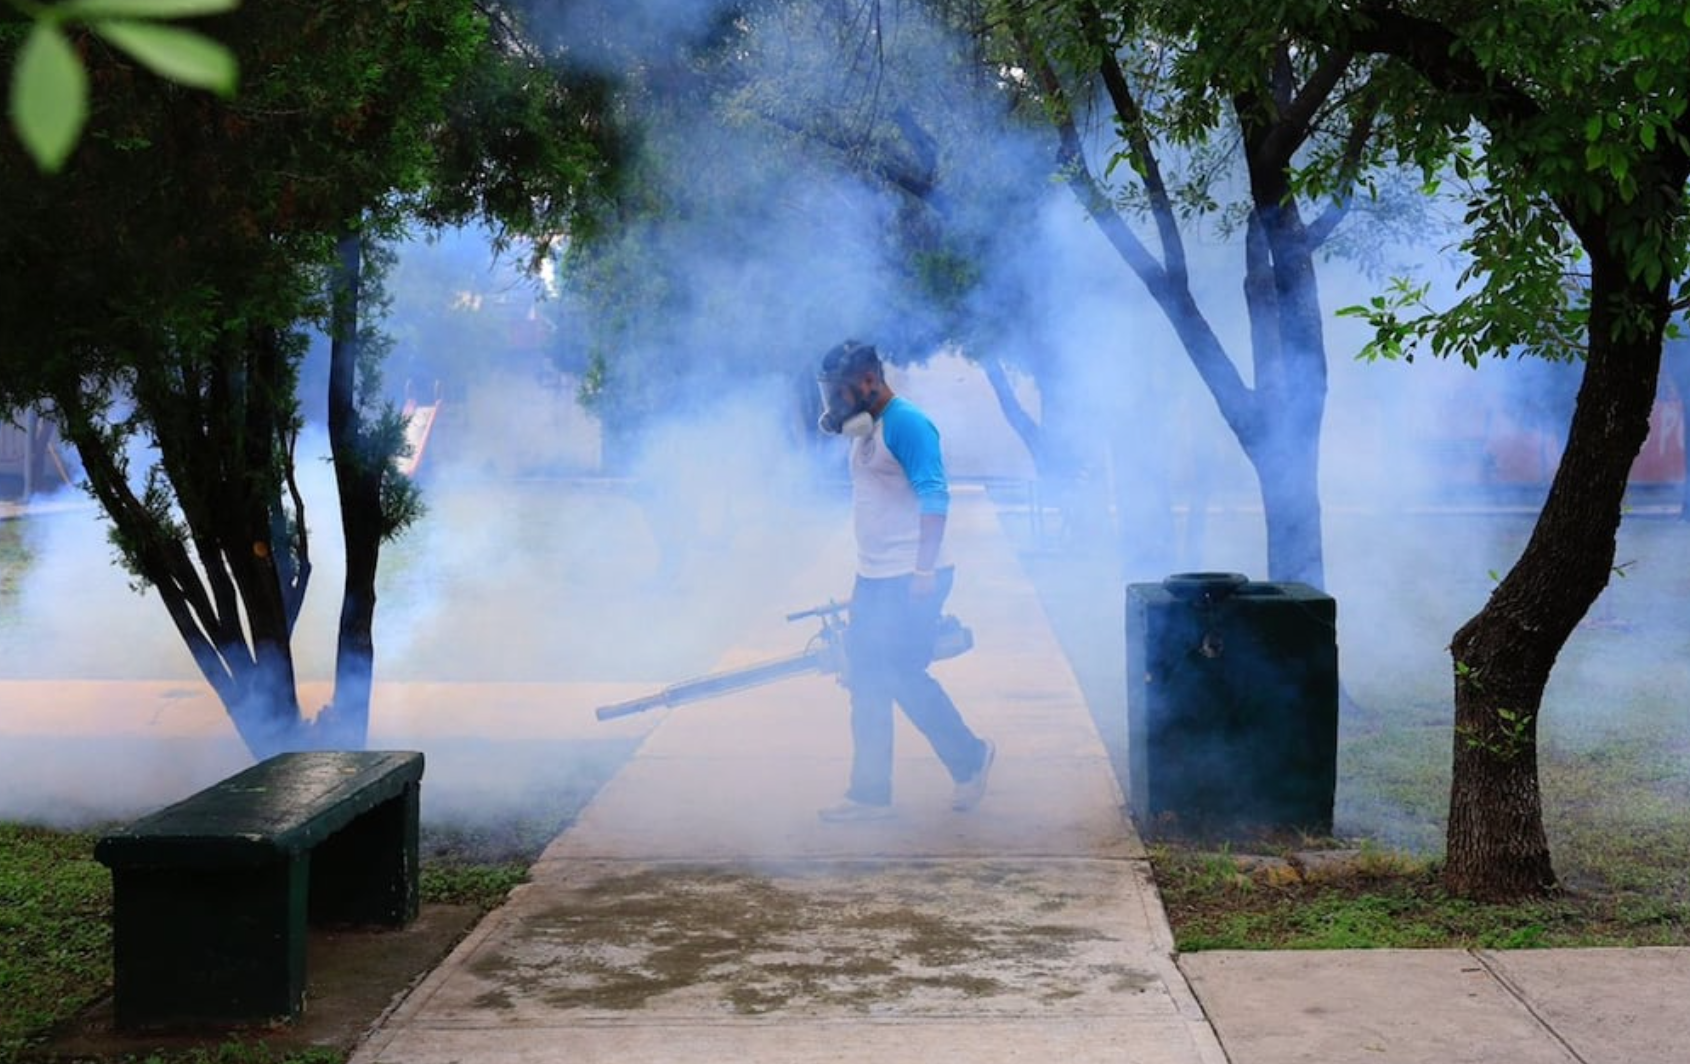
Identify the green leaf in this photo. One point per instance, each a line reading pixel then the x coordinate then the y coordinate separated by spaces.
pixel 49 96
pixel 182 56
pixel 96 10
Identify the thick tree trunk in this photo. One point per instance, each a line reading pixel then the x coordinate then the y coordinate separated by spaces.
pixel 1287 341
pixel 1290 359
pixel 232 522
pixel 263 702
pixel 1496 846
pixel 1290 484
pixel 358 476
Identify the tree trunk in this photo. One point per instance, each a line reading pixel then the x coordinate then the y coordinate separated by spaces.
pixel 228 608
pixel 32 454
pixel 1288 346
pixel 1496 846
pixel 358 476
pixel 1029 431
pixel 264 702
pixel 1290 484
pixel 1277 421
pixel 1289 355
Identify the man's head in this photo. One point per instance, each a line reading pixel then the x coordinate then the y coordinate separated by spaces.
pixel 853 387
pixel 849 361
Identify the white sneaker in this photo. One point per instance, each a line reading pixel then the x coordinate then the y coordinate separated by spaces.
pixel 971 790
pixel 851 811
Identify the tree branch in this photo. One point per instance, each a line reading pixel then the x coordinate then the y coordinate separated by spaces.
pixel 1138 140
pixel 1172 295
pixel 1349 165
pixel 1435 52
pixel 1296 119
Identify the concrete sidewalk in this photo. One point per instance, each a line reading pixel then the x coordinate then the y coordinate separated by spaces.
pixel 699 912
pixel 1554 1006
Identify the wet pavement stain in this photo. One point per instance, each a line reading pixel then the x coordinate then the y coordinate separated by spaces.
pixel 891 938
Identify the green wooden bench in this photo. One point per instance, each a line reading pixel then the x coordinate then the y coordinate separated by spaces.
pixel 212 896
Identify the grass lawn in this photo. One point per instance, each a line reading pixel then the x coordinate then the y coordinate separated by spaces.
pixel 55 929
pixel 1614 754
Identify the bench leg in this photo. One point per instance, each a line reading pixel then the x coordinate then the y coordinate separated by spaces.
pixel 198 946
pixel 366 873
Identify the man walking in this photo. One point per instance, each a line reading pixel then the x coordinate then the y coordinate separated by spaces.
pixel 899 500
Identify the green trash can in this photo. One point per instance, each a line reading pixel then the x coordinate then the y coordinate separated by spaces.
pixel 1232 706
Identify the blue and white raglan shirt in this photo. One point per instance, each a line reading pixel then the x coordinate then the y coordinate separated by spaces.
pixel 897 474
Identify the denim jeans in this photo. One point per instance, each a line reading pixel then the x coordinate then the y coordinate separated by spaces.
pixel 888 648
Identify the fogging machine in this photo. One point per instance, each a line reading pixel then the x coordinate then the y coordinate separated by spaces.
pixel 825 653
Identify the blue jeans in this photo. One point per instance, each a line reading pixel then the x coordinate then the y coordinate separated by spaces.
pixel 888 648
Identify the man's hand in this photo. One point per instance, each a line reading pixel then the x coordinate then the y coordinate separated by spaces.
pixel 923 585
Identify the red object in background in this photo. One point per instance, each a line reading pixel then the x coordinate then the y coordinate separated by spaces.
pixel 1475 444
pixel 1521 456
pixel 1662 459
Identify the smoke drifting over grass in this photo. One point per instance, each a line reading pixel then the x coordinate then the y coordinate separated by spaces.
pixel 557 552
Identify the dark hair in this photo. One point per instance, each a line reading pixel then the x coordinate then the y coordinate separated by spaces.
pixel 849 359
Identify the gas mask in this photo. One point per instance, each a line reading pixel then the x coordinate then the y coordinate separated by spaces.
pixel 844 412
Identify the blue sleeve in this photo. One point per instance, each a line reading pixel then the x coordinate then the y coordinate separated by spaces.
pixel 913 440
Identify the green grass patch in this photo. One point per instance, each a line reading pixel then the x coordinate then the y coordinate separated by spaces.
pixel 460 883
pixel 55 930
pixel 1381 901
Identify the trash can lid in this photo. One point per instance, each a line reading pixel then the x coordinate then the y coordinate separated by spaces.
pixel 1204 588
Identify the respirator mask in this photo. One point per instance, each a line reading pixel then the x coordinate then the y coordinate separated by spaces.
pixel 844 412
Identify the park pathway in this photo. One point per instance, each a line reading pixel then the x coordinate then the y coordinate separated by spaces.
pixel 699 911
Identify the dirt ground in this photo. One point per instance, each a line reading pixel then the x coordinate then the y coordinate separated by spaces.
pixel 352 979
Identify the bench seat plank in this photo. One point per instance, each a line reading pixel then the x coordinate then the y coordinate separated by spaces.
pixel 284 805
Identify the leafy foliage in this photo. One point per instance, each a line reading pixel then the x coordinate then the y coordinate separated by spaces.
pixel 1562 151
pixel 49 91
pixel 194 244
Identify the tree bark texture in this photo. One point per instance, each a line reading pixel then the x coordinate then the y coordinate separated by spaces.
pixel 1290 358
pixel 1496 845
